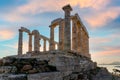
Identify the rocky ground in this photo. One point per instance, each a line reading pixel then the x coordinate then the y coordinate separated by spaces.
pixel 53 65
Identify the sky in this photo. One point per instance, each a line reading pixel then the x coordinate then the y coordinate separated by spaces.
pixel 101 18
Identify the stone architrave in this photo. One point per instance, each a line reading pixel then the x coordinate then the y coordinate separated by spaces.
pixel 52 44
pixel 30 42
pixel 20 42
pixel 67 28
pixel 61 34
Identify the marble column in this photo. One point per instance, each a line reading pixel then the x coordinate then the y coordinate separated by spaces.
pixel 88 44
pixel 82 39
pixel 61 35
pixel 36 41
pixel 67 29
pixel 84 45
pixel 44 45
pixel 20 42
pixel 88 47
pixel 79 39
pixel 74 35
pixel 30 43
pixel 52 44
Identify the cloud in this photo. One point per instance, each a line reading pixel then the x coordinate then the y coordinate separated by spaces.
pixel 99 45
pixel 101 18
pixel 26 12
pixel 108 55
pixel 90 3
pixel 37 6
pixel 6 34
pixel 108 51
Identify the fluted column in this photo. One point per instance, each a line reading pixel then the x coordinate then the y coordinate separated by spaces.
pixel 61 35
pixel 30 42
pixel 36 40
pixel 79 39
pixel 74 35
pixel 82 40
pixel 44 45
pixel 20 42
pixel 67 28
pixel 87 42
pixel 52 44
pixel 84 45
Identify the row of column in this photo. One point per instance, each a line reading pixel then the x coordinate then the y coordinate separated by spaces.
pixel 64 32
pixel 80 39
pixel 61 36
pixel 36 42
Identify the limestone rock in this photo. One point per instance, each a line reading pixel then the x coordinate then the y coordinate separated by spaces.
pixel 13 77
pixel 8 61
pixel 8 69
pixel 32 71
pixel 45 76
pixel 1 62
pixel 26 67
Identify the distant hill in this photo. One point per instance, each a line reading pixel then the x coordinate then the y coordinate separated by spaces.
pixel 113 63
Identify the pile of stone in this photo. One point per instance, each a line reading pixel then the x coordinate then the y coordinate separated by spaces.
pixel 24 66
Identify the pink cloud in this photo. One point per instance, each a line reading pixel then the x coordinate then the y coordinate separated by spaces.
pixel 100 18
pixel 107 56
pixel 37 6
pixel 13 17
pixel 90 3
pixel 6 34
pixel 98 40
pixel 108 52
pixel 33 7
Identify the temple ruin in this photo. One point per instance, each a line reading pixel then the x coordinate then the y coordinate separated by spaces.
pixel 67 59
pixel 76 40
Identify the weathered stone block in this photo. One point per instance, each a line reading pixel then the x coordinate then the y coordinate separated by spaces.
pixel 64 61
pixel 17 77
pixel 65 68
pixel 1 62
pixel 32 71
pixel 45 76
pixel 26 67
pixel 8 60
pixel 8 69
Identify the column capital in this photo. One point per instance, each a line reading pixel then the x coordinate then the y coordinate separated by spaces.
pixel 51 26
pixel 44 39
pixel 30 34
pixel 67 8
pixel 20 30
